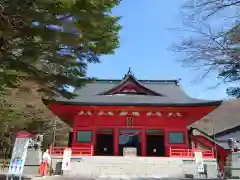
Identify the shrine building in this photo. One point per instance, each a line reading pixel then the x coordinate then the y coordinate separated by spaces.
pixel 152 116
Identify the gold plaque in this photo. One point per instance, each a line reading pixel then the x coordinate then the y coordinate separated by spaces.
pixel 129 122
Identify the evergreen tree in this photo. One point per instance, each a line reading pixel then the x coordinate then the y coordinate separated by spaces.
pixel 51 42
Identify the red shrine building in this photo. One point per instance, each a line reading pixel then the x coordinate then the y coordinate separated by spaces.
pixel 152 116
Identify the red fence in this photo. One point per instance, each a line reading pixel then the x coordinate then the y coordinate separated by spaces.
pixel 87 150
pixel 76 151
pixel 189 153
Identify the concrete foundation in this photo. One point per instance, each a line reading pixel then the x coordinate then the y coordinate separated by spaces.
pixel 233 165
pixel 134 167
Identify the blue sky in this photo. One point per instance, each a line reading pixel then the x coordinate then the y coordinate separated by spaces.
pixel 144 46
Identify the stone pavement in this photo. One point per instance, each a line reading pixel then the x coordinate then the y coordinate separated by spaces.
pixel 3 177
pixel 82 178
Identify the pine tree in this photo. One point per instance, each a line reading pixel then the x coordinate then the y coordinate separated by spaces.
pixel 52 42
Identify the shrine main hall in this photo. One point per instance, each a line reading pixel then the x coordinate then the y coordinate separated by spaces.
pixel 149 115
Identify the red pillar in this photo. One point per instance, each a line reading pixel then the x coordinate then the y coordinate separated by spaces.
pixel 167 145
pixel 115 139
pixel 143 134
pixel 93 140
pixel 195 145
pixel 186 137
pixel 74 138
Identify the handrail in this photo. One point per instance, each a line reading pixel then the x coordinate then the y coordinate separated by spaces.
pixel 220 151
pixel 189 153
pixel 192 128
pixel 76 151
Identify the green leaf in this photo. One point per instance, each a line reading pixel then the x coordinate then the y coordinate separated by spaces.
pixel 36 51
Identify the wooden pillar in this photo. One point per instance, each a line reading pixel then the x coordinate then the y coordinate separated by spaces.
pixel 166 142
pixel 74 136
pixel 115 139
pixel 143 135
pixel 186 135
pixel 195 145
pixel 94 140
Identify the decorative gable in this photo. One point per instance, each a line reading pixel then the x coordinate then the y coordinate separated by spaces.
pixel 130 85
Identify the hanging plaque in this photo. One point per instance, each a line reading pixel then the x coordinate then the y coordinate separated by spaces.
pixel 129 122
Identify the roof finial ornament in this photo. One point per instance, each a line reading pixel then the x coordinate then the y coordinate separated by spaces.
pixel 129 71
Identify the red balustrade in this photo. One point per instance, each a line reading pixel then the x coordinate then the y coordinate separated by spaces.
pixel 86 150
pixel 189 153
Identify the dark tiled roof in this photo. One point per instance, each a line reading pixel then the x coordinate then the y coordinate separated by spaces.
pixel 228 131
pixel 223 120
pixel 171 91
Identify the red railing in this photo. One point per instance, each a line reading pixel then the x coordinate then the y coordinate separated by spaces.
pixel 76 151
pixel 87 150
pixel 189 153
pixel 223 153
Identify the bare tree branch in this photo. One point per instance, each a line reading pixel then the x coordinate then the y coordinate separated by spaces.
pixel 204 9
pixel 210 51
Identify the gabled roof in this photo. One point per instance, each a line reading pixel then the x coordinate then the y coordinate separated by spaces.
pixel 130 85
pixel 157 93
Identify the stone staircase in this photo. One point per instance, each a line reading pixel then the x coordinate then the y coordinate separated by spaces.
pixel 135 167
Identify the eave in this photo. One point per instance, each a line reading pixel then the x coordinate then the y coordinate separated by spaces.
pixel 226 132
pixel 67 111
pixel 198 104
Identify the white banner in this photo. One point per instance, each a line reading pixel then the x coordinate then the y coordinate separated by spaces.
pixel 199 161
pixel 66 159
pixel 18 156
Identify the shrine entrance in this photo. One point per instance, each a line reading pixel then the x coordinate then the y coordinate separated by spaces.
pixel 129 138
pixel 104 143
pixel 155 143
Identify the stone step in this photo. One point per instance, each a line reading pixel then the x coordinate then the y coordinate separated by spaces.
pixel 140 167
pixel 126 160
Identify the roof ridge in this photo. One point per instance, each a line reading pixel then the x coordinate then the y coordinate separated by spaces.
pixel 140 80
pixel 130 77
